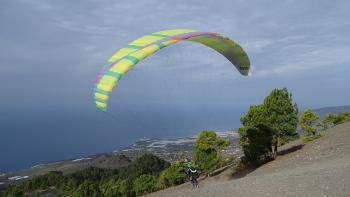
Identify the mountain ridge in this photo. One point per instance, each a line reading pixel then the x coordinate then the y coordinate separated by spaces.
pixel 332 109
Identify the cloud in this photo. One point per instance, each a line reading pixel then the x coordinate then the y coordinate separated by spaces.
pixel 304 37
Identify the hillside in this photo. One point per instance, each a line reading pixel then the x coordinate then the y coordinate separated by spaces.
pixel 110 161
pixel 320 168
pixel 169 149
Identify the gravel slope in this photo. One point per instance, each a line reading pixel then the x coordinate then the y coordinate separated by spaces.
pixel 320 168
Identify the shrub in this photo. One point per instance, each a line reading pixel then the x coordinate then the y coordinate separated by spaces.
pixel 87 188
pixel 309 138
pixel 307 120
pixel 145 184
pixel 174 175
pixel 257 144
pixel 148 164
pixel 207 154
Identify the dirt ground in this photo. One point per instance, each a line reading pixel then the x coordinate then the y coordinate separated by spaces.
pixel 320 168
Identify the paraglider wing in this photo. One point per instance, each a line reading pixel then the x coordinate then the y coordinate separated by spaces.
pixel 127 57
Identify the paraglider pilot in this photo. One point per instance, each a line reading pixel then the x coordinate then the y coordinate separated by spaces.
pixel 192 172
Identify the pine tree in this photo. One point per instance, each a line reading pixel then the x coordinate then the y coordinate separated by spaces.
pixel 307 120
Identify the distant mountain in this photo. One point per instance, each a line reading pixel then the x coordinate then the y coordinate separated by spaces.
pixel 332 110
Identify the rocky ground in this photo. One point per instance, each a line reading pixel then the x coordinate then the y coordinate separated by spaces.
pixel 320 168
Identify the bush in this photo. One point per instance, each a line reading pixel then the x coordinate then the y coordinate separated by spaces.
pixel 309 138
pixel 87 188
pixel 174 175
pixel 148 164
pixel 114 187
pixel 256 143
pixel 232 159
pixel 207 154
pixel 145 184
pixel 341 118
pixel 307 120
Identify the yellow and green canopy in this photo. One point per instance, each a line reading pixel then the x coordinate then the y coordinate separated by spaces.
pixel 126 58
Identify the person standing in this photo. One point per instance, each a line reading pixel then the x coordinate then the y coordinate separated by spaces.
pixel 192 172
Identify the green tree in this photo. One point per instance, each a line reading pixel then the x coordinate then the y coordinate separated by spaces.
pixel 125 187
pixel 87 188
pixel 307 120
pixel 174 175
pixel 334 119
pixel 326 122
pixel 145 184
pixel 341 118
pixel 256 143
pixel 208 151
pixel 117 188
pixel 277 112
pixel 148 164
pixel 69 184
pixel 281 115
pixel 14 191
pixel 256 115
pixel 110 188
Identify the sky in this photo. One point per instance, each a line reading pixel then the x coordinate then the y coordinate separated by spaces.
pixel 51 52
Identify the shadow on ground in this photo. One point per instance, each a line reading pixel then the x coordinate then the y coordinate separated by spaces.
pixel 240 173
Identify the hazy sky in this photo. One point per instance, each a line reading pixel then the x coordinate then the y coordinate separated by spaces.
pixel 51 52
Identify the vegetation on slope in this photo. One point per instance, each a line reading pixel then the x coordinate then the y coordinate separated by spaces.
pixel 312 127
pixel 125 181
pixel 275 120
pixel 208 151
